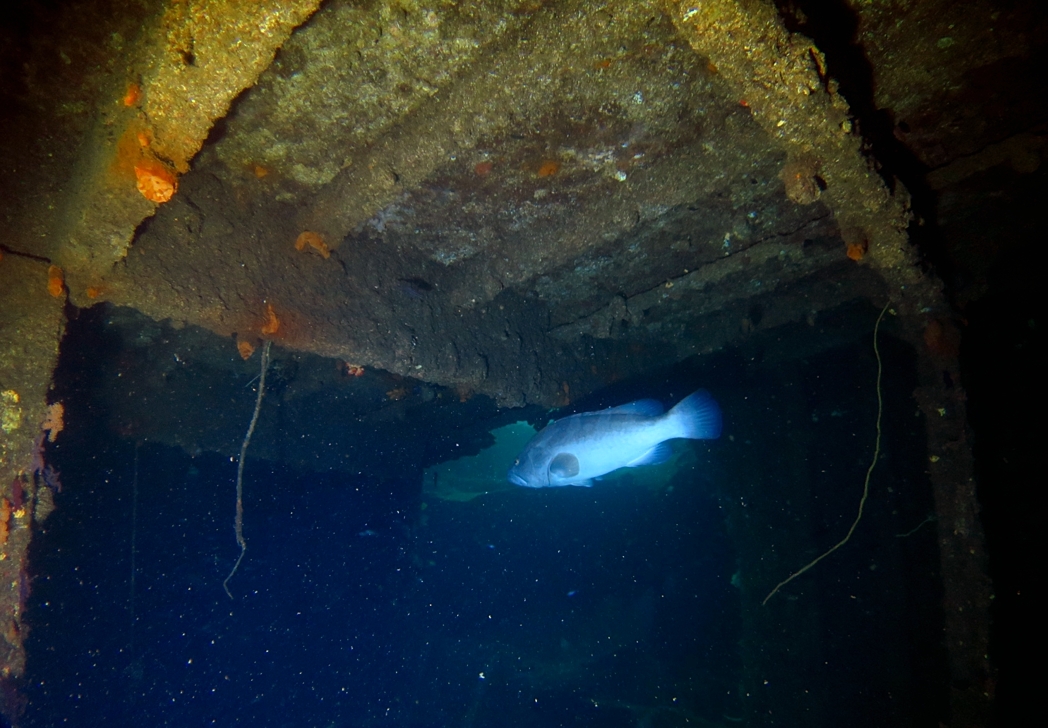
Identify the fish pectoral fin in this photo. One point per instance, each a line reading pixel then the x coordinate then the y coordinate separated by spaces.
pixel 588 483
pixel 658 454
pixel 564 465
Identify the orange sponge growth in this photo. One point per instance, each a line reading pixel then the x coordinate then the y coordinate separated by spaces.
pixel 5 520
pixel 155 181
pixel 155 178
pixel 55 281
pixel 857 250
pixel 312 240
pixel 54 420
pixel 133 94
pixel 272 324
pixel 548 168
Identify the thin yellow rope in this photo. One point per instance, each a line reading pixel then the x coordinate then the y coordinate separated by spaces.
pixel 239 520
pixel 869 470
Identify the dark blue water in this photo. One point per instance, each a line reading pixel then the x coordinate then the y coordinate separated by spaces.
pixel 363 602
pixel 354 606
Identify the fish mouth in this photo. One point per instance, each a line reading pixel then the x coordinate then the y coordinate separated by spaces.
pixel 517 480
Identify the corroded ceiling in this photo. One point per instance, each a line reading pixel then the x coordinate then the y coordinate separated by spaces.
pixel 523 200
pixel 477 179
pixel 483 195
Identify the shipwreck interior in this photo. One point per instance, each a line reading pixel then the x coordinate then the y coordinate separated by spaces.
pixel 285 285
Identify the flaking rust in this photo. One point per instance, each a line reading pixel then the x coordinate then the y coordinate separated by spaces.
pixel 192 63
pixel 32 323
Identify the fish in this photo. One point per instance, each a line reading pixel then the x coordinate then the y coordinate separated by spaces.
pixel 577 450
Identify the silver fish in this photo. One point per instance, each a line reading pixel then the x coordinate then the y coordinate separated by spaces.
pixel 576 449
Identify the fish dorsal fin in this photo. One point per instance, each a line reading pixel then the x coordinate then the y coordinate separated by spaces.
pixel 646 407
pixel 565 465
pixel 658 454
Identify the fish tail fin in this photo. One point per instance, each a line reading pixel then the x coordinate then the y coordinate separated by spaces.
pixel 697 417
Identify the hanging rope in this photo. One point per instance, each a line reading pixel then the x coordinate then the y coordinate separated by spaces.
pixel 869 470
pixel 238 523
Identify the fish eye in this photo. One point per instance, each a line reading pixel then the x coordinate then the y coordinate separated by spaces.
pixel 517 461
